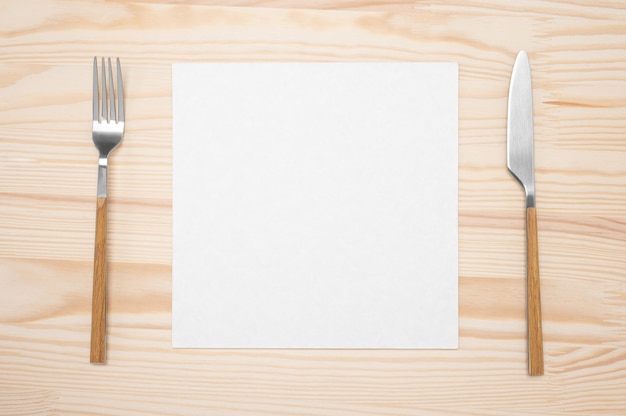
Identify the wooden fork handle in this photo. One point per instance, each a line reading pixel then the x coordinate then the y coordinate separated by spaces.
pixel 535 333
pixel 98 301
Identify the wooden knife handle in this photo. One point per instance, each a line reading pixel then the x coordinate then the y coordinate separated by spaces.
pixel 98 301
pixel 535 334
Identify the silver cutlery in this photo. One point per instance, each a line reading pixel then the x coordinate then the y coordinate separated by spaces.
pixel 520 161
pixel 108 130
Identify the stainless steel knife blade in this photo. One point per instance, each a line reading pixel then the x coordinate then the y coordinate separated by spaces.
pixel 520 157
pixel 521 163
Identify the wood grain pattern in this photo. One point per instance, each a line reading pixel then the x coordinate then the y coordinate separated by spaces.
pixel 533 294
pixel 577 52
pixel 97 352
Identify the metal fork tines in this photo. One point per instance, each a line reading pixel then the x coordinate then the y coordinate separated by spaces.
pixel 108 126
pixel 108 130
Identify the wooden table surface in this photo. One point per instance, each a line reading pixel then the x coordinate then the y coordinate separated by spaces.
pixel 47 209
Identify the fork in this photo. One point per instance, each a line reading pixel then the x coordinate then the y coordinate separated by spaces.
pixel 108 130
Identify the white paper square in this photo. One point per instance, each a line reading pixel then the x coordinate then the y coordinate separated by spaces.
pixel 315 205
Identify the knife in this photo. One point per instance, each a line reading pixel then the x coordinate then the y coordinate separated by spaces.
pixel 520 161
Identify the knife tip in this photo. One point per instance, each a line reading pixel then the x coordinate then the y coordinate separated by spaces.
pixel 521 62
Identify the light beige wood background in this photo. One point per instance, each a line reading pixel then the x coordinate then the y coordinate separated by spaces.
pixel 47 209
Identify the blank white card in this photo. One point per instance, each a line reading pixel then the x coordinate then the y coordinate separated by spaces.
pixel 315 205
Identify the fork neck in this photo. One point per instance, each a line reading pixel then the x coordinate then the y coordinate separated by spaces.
pixel 102 177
